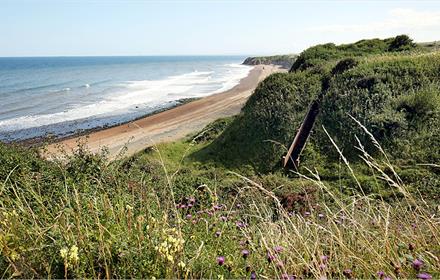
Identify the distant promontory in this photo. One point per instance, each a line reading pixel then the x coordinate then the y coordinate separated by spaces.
pixel 285 61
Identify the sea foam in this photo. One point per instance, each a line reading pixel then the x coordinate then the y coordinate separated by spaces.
pixel 132 99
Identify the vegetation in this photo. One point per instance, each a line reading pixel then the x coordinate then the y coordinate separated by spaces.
pixel 363 204
pixel 285 61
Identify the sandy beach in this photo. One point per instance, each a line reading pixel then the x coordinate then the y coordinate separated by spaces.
pixel 169 125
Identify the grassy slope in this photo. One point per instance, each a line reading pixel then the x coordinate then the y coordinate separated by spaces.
pixel 169 212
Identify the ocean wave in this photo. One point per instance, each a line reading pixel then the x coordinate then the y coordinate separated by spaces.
pixel 132 97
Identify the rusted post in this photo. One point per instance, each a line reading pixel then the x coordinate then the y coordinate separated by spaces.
pixel 291 159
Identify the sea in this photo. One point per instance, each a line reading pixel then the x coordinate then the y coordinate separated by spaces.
pixel 60 96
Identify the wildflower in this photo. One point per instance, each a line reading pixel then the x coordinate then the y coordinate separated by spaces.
pixel 74 254
pixel 411 246
pixel 64 252
pixel 245 253
pixel 320 215
pixel 218 207
pixel 240 224
pixel 253 275
pixel 218 233
pixel 189 216
pixel 324 258
pixel 238 205
pixel 307 213
pixel 424 276
pixel 278 249
pixel 181 264
pixel 387 278
pixel 417 264
pixel 192 200
pixel 270 257
pixel 223 218
pixel 280 264
pixel 380 274
pixel 322 266
pixel 220 260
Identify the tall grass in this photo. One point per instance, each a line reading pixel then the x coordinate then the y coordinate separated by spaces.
pixel 113 224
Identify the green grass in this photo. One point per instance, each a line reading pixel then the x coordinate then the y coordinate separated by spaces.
pixel 125 221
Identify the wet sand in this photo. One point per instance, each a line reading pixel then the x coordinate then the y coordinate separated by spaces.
pixel 168 125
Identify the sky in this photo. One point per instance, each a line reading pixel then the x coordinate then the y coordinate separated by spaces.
pixel 129 27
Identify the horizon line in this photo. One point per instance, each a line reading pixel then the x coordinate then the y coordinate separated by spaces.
pixel 139 55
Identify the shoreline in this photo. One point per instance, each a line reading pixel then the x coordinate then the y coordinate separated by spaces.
pixel 51 140
pixel 164 126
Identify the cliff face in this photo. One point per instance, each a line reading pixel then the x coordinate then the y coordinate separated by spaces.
pixel 285 61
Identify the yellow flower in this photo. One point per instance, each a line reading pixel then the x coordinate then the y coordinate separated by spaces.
pixel 74 254
pixel 181 264
pixel 64 252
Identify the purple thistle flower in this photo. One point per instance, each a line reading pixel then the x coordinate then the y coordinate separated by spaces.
pixel 223 218
pixel 307 213
pixel 245 253
pixel 192 200
pixel 322 266
pixel 280 264
pixel 190 205
pixel 380 274
pixel 424 276
pixel 220 260
pixel 417 264
pixel 278 249
pixel 286 276
pixel 189 216
pixel 324 258
pixel 218 207
pixel 238 205
pixel 270 257
pixel 253 275
pixel 240 224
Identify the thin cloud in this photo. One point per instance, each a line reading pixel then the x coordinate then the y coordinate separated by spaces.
pixel 398 19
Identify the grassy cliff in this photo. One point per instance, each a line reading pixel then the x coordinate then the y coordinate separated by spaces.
pixel 217 204
pixel 394 94
pixel 285 61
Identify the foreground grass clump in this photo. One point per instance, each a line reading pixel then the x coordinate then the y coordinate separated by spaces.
pixel 161 214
